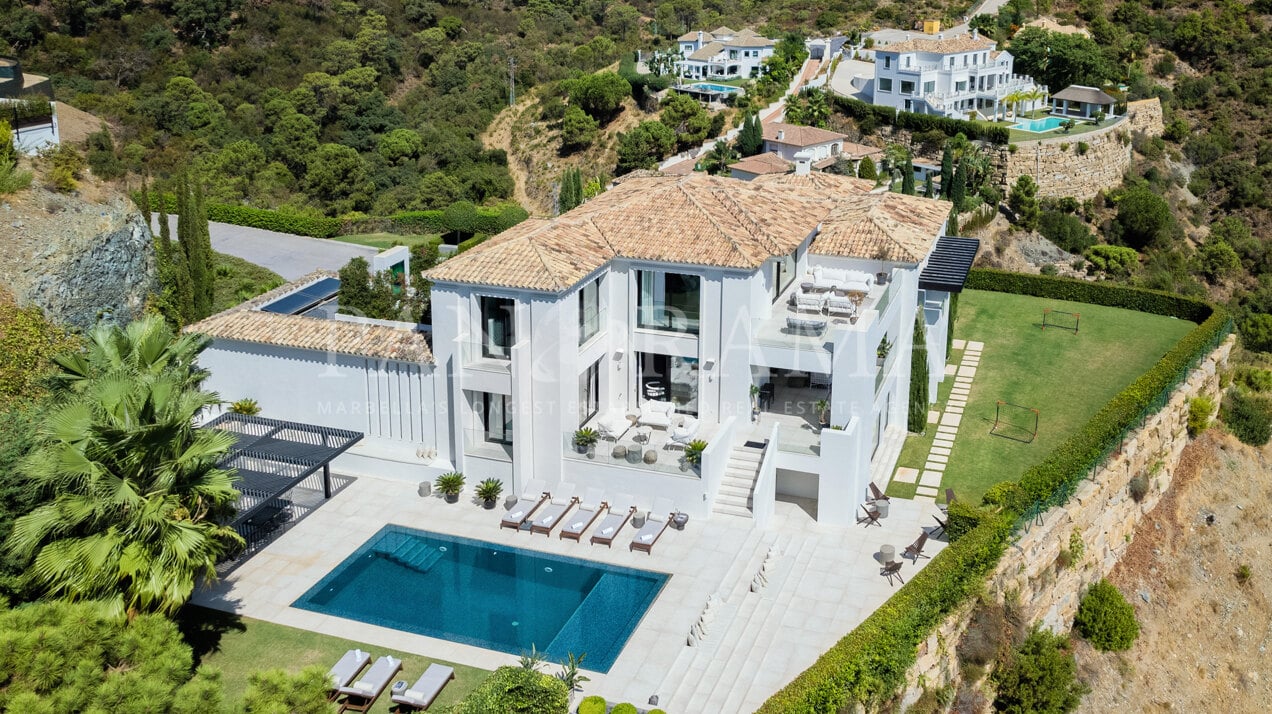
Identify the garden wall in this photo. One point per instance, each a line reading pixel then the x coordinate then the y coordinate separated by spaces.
pixel 1080 165
pixel 1101 512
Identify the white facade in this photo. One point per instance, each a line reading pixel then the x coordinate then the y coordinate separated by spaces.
pixel 954 78
pixel 725 56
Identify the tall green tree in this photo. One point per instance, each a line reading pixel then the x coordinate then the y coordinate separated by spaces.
pixel 917 421
pixel 751 136
pixel 355 287
pixel 643 146
pixel 196 248
pixel 138 500
pixel 958 187
pixel 947 170
pixel 907 175
pixel 571 193
pixel 866 169
pixel 1023 202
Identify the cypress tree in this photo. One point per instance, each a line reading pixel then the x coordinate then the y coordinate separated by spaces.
pixel 196 248
pixel 174 298
pixel 947 171
pixel 918 378
pixel 928 188
pixel 958 187
pixel 751 136
pixel 951 225
pixel 571 193
pixel 205 288
pixel 907 177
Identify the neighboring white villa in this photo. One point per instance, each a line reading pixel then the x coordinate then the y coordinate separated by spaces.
pixel 722 54
pixel 664 311
pixel 953 77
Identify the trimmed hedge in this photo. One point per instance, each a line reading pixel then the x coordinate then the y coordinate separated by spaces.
pixel 869 664
pixel 918 123
pixel 259 218
pixel 489 221
pixel 470 243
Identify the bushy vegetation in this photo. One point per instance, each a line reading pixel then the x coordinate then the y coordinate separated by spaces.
pixel 1039 678
pixel 1248 416
pixel 1106 619
pixel 1066 230
pixel 1200 409
pixel 516 690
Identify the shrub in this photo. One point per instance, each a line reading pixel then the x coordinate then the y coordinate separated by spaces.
pixel 1143 215
pixel 624 708
pixel 1139 487
pixel 592 705
pixel 1244 573
pixel 1112 259
pixel 1256 333
pixel 1005 494
pixel 1106 619
pixel 1256 378
pixel 1040 678
pixel 962 518
pixel 1247 417
pixel 513 690
pixel 1066 230
pixel 1199 411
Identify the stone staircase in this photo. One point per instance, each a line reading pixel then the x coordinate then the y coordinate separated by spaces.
pixel 734 498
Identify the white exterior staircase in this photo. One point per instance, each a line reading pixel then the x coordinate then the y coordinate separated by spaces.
pixel 734 498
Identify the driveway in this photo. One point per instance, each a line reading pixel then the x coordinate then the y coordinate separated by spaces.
pixel 288 255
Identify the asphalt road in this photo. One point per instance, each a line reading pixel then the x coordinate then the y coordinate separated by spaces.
pixel 288 255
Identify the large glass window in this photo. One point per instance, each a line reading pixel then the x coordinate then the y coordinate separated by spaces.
pixel 783 274
pixel 589 310
pixel 907 87
pixel 929 87
pixel 496 327
pixel 668 301
pixel 666 378
pixel 496 414
pixel 885 84
pixel 589 392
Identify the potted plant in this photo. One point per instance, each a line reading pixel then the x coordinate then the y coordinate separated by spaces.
pixel 449 485
pixel 585 440
pixel 881 352
pixel 823 412
pixel 488 491
pixel 693 452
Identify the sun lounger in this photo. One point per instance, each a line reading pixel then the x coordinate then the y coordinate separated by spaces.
pixel 616 517
pixel 532 496
pixel 657 522
pixel 589 510
pixel 344 670
pixel 421 694
pixel 551 515
pixel 360 695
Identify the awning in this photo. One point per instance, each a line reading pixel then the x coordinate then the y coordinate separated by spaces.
pixel 273 456
pixel 949 264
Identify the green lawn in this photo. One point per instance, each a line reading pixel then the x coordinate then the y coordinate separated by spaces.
pixel 384 241
pixel 1066 376
pixel 239 646
pixel 238 280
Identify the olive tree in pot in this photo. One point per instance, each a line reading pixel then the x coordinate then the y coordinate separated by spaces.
pixel 450 485
pixel 488 491
pixel 585 440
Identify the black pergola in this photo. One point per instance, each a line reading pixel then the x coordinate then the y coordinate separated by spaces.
pixel 273 456
pixel 947 267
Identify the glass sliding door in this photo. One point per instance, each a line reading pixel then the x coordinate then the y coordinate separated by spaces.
pixel 589 392
pixel 783 274
pixel 497 335
pixel 668 301
pixel 589 310
pixel 497 417
pixel 666 378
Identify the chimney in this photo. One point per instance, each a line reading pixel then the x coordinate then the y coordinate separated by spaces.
pixel 699 38
pixel 781 134
pixel 803 163
pixel 975 34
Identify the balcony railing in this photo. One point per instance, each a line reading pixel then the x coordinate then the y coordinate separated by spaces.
pixel 645 457
pixel 884 367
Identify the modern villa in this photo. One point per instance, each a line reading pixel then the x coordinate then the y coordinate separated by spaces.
pixel 770 319
pixel 722 54
pixel 953 77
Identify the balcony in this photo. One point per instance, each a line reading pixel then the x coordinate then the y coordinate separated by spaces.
pixel 792 407
pixel 486 356
pixel 794 328
pixel 641 447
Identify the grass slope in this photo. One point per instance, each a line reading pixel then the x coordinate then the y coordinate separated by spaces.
pixel 384 241
pixel 239 646
pixel 238 280
pixel 1066 376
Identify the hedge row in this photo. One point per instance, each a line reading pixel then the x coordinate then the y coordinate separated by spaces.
pixel 916 122
pixel 869 664
pixel 260 218
pixel 27 110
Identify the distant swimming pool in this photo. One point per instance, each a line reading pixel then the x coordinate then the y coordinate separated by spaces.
pixel 1039 126
pixel 709 87
pixel 488 595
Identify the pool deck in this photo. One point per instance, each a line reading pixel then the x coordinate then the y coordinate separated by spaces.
pixel 821 582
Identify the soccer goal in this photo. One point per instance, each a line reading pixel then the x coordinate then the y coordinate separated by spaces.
pixel 1059 319
pixel 1015 422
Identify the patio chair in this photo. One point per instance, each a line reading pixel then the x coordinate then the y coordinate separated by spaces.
pixel 892 570
pixel 613 425
pixel 942 526
pixel 682 432
pixel 841 305
pixel 359 696
pixel 657 522
pixel 552 514
pixel 872 516
pixel 810 302
pixel 589 510
pixel 876 494
pixel 949 498
pixel 420 696
pixel 615 519
pixel 915 549
pixel 345 669
pixel 531 498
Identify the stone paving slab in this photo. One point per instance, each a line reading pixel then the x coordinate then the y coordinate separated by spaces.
pixel 905 474
pixel 950 370
pixel 951 419
pixel 974 345
pixel 933 416
pixel 943 429
pixel 933 466
pixel 966 372
pixel 958 344
pixel 930 478
pixel 927 491
pixel 940 451
pixel 964 379
pixel 938 458
pixel 952 402
pixel 942 444
pixel 954 410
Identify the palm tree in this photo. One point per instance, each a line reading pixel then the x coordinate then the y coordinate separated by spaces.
pixel 718 159
pixel 896 156
pixel 136 502
pixel 1013 100
pixel 1034 95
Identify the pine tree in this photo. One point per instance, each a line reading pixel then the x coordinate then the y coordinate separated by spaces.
pixel 958 187
pixel 947 171
pixel 918 378
pixel 1023 202
pixel 751 136
pixel 866 170
pixel 907 176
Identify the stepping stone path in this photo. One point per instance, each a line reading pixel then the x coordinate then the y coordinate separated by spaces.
pixel 964 373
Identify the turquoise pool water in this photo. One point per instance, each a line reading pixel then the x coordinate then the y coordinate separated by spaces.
pixel 488 595
pixel 1039 126
pixel 709 87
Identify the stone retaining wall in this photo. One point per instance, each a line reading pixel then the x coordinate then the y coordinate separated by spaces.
pixel 1080 165
pixel 1101 512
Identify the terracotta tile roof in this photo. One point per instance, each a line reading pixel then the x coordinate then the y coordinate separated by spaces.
pixel 884 226
pixel 680 168
pixel 949 45
pixel 859 151
pixel 247 323
pixel 707 51
pixel 796 135
pixel 723 30
pixel 749 41
pixel 693 37
pixel 760 164
pixel 692 220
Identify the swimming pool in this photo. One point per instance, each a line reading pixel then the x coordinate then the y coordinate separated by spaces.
pixel 1039 126
pixel 709 87
pixel 488 595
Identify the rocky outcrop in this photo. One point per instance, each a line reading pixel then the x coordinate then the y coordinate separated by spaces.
pixel 1080 165
pixel 76 259
pixel 1102 515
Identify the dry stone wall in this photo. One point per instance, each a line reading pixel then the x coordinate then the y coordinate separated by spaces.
pixel 1080 165
pixel 1101 513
